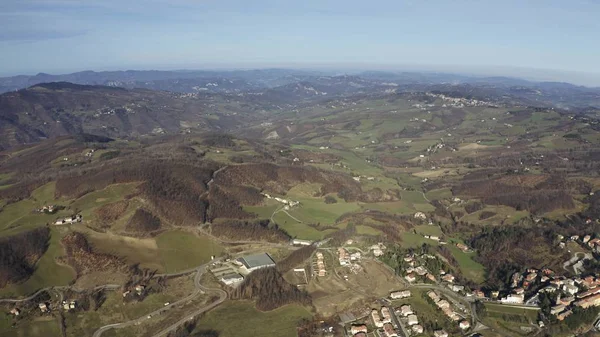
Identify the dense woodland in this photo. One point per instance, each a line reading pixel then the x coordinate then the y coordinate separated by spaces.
pixel 83 259
pixel 509 249
pixel 295 258
pixel 255 230
pixel 19 253
pixel 143 222
pixel 270 290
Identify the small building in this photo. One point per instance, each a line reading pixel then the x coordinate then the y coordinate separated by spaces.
pixel 417 329
pixel 442 304
pixel 440 333
pixel 386 315
pixel 464 325
pixel 448 278
pixel 15 312
pixel 434 296
pixel 412 320
pixel 406 310
pixel 564 315
pixel 513 299
pixel 231 279
pixel 298 242
pixel 43 307
pixel 389 331
pixel 420 215
pixel 400 294
pixel 140 288
pixel 557 309
pixel 457 288
pixel 410 278
pixel 376 318
pixel 358 328
pixel 257 261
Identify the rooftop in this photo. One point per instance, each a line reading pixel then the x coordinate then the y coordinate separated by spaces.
pixel 257 260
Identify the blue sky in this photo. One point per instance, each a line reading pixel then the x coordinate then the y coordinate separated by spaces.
pixel 506 37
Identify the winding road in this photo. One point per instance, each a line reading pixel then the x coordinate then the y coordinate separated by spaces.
pixel 199 290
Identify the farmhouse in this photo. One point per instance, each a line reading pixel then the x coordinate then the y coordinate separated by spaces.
pixel 15 311
pixel 257 261
pixel 69 220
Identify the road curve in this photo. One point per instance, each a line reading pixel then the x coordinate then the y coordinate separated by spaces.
pixel 199 290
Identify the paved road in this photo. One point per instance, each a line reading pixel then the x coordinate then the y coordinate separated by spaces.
pixel 29 298
pixel 199 290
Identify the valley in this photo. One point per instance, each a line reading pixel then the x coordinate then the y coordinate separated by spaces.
pixel 354 195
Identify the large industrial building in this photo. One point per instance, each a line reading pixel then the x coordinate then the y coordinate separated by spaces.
pixel 257 261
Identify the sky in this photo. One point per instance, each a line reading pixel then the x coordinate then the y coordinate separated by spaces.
pixel 536 39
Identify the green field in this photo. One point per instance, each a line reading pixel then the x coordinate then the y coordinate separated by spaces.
pixel 47 271
pixel 180 250
pixel 37 328
pixel 87 203
pixel 531 314
pixel 469 267
pixel 250 322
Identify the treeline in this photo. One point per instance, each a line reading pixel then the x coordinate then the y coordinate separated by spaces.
pixel 188 330
pixel 535 193
pixel 256 230
pixel 108 213
pixel 270 290
pixel 225 203
pixel 143 222
pixel 19 253
pixel 295 258
pixel 279 179
pixel 506 250
pixel 174 189
pixel 83 259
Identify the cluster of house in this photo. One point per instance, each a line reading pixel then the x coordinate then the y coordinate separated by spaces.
pixel 587 241
pixel 321 271
pixel 410 318
pixel 378 249
pixel 446 308
pixel 138 290
pixel 346 258
pixel 287 203
pixel 69 220
pixel 459 102
pixel 384 321
pixel 415 269
pixel 573 292
pixel 70 305
pixel 90 153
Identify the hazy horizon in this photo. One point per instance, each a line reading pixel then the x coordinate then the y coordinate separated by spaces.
pixel 547 40
pixel 531 74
